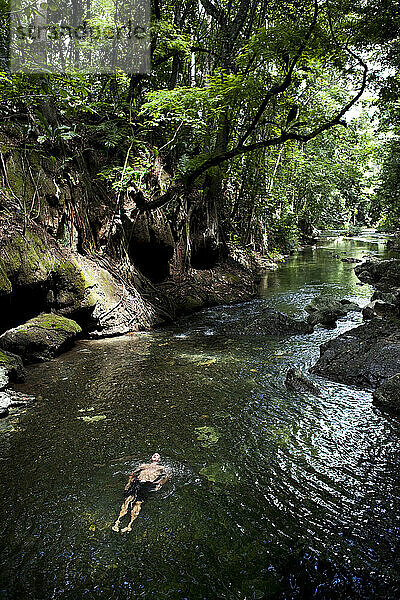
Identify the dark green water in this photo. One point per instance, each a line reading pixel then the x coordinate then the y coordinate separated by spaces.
pixel 273 494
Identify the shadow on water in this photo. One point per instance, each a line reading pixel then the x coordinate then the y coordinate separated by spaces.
pixel 273 494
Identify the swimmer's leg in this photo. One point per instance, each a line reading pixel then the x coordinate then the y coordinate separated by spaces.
pixel 134 515
pixel 123 512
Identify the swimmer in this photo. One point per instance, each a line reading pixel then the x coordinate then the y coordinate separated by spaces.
pixel 146 478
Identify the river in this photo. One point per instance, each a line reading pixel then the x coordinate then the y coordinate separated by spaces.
pixel 273 494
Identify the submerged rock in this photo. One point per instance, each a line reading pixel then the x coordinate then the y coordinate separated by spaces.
pixel 350 259
pixel 298 382
pixel 326 311
pixel 387 395
pixel 40 338
pixel 365 356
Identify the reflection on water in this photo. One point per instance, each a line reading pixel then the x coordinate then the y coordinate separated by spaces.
pixel 273 494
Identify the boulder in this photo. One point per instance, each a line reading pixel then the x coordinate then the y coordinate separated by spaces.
pixel 274 322
pixel 31 263
pixel 40 338
pixel 387 395
pixel 326 310
pixel 384 275
pixel 364 356
pixel 269 322
pixel 379 308
pixel 296 381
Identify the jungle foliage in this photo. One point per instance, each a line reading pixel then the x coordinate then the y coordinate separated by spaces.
pixel 253 111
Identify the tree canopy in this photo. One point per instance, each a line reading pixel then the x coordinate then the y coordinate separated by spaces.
pixel 256 113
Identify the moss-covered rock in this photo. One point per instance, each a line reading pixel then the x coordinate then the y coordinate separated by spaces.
pixel 31 265
pixel 12 365
pixel 40 338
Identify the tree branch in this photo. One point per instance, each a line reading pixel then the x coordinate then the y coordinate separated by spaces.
pixel 278 89
pixel 285 136
pixel 214 11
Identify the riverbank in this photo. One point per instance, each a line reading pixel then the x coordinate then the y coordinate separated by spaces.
pixel 369 355
pixel 51 295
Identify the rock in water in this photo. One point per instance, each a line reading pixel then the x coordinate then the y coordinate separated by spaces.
pixel 274 322
pixel 384 275
pixel 298 382
pixel 326 310
pixel 365 356
pixel 387 395
pixel 40 338
pixel 379 308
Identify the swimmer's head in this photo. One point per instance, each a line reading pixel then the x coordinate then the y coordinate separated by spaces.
pixel 156 457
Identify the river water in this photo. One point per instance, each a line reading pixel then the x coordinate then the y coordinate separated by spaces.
pixel 273 494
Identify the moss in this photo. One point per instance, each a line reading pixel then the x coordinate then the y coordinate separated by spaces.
pixel 52 321
pixel 69 283
pixel 12 364
pixel 26 259
pixel 21 185
pixel 5 283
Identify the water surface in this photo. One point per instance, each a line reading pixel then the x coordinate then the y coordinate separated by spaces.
pixel 273 494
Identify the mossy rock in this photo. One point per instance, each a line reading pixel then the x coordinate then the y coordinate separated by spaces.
pixel 40 338
pixel 28 263
pixel 13 366
pixel 69 287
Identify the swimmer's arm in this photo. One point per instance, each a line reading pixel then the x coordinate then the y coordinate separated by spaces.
pixel 161 482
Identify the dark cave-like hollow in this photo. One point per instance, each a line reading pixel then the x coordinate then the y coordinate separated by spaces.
pixel 152 259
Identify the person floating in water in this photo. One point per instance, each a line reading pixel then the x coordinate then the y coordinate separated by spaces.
pixel 146 478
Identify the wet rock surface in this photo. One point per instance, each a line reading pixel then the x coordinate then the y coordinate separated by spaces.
pixel 365 356
pixel 379 308
pixel 350 259
pixel 387 395
pixel 12 399
pixel 40 338
pixel 271 322
pixel 298 382
pixel 326 311
pixel 384 275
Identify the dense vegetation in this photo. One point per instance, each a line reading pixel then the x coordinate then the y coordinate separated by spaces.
pixel 252 128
